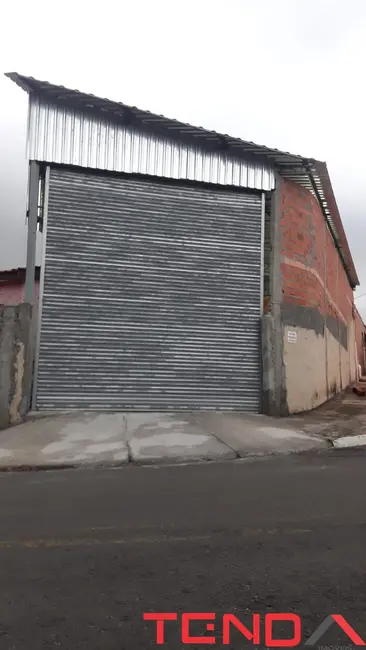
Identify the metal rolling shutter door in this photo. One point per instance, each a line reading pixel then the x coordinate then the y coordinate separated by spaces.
pixel 151 296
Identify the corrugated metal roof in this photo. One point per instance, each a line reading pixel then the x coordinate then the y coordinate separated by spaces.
pixel 309 172
pixel 61 134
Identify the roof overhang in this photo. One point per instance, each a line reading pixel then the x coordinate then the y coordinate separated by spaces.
pixel 309 172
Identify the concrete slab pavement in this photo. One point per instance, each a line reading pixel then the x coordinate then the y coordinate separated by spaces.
pixel 65 440
pixel 90 438
pixel 342 417
pixel 350 441
pixel 166 437
pixel 258 435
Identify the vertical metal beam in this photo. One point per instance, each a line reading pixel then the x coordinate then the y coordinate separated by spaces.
pixel 263 383
pixel 263 213
pixel 33 198
pixel 41 287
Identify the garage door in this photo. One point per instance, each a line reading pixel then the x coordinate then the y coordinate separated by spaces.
pixel 151 297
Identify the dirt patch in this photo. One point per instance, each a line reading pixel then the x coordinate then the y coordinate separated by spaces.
pixel 344 415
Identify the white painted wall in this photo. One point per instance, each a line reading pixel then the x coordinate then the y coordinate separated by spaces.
pixel 316 366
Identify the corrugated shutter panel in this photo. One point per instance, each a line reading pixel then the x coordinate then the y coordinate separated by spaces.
pixel 151 296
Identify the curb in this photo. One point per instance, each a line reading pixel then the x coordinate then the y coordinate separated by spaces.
pixel 37 468
pixel 350 442
pixel 76 466
pixel 184 460
pixel 153 462
pixel 159 462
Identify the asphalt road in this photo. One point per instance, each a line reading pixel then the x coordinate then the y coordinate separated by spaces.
pixel 84 553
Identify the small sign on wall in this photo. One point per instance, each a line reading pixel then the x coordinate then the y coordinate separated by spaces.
pixel 292 337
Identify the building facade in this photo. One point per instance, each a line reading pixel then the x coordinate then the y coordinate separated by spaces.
pixel 317 305
pixel 182 268
pixel 360 331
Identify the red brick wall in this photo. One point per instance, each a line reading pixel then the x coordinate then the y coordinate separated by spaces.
pixel 312 271
pixel 317 304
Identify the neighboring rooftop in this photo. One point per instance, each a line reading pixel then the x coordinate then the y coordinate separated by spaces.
pixel 309 172
pixel 16 273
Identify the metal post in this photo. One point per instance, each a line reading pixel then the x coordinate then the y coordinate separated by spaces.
pixel 263 216
pixel 41 288
pixel 32 232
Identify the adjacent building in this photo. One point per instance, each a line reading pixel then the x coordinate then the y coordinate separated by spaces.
pixel 360 330
pixel 12 283
pixel 182 268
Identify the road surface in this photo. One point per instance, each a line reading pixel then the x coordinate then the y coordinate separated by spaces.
pixel 84 553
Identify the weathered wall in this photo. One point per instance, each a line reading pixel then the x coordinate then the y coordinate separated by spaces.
pixel 360 334
pixel 305 387
pixel 317 304
pixel 15 366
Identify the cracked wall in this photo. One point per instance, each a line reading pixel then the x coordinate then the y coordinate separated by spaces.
pixel 15 366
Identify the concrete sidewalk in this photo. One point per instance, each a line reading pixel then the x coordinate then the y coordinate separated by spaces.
pixel 89 438
pixel 343 415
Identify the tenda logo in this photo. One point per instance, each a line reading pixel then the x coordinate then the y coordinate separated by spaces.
pixel 221 630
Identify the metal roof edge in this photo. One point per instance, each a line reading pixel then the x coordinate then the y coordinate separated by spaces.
pixel 17 78
pixel 32 85
pixel 330 204
pixel 288 165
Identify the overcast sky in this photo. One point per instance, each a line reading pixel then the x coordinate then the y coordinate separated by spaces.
pixel 284 73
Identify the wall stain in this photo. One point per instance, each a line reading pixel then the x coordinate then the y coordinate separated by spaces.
pixel 14 408
pixel 310 318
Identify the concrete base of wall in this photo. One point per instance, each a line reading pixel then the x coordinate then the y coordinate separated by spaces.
pixel 317 367
pixel 15 363
pixel 274 401
pixel 305 369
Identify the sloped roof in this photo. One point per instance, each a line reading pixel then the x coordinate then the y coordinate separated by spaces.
pixel 309 172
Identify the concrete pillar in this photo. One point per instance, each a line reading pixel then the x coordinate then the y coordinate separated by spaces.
pixel 15 372
pixel 273 374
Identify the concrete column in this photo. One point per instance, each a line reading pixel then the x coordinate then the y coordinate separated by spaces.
pixel 274 389
pixel 15 324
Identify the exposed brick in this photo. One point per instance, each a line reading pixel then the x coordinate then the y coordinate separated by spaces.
pixel 305 239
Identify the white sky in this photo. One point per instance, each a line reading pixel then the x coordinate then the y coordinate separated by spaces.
pixel 284 73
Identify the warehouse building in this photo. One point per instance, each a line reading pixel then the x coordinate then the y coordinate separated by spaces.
pixel 182 268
